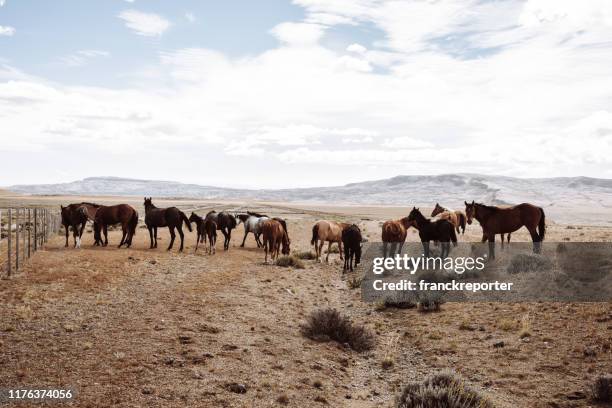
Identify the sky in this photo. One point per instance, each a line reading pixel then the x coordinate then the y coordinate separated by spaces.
pixel 281 93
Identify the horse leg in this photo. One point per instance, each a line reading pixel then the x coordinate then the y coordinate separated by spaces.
pixel 66 227
pixel 536 240
pixel 105 230
pixel 329 244
pixel 491 239
pixel 425 248
pixel 320 258
pixel 244 239
pixel 225 239
pixel 150 236
pixel 340 249
pixel 228 239
pixel 172 237
pixel 155 236
pixel 257 240
pixel 75 233
pixel 401 247
pixel 181 235
pixel 197 242
pixel 124 232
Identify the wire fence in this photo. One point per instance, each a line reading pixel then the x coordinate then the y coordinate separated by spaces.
pixel 23 231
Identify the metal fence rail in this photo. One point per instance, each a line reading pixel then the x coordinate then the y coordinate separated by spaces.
pixel 23 231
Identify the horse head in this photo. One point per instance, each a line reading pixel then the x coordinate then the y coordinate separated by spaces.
pixel 148 203
pixel 437 210
pixel 470 211
pixel 415 216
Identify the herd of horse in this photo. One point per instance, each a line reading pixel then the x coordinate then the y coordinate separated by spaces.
pixel 272 235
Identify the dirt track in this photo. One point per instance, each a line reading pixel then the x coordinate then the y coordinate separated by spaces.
pixel 153 328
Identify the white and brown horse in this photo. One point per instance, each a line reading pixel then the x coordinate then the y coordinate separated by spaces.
pixel 455 217
pixel 330 232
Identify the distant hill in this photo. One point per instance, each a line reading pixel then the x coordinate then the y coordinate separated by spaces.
pixel 570 199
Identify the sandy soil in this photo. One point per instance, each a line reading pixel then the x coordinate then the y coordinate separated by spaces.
pixel 140 327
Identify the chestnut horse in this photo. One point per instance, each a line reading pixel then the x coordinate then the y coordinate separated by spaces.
pixel 442 231
pixel 496 220
pixel 394 232
pixel 330 231
pixel 456 217
pixel 115 214
pixel 170 217
pixel 274 235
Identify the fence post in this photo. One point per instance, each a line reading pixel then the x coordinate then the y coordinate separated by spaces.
pixel 16 239
pixel 29 232
pixel 23 235
pixel 35 230
pixel 10 246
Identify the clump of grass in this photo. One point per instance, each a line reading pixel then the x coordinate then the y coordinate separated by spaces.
pixel 283 399
pixel 507 324
pixel 354 282
pixel 305 255
pixel 387 362
pixel 602 389
pixel 290 261
pixel 525 327
pixel 528 263
pixel 329 324
pixel 429 301
pixel 445 389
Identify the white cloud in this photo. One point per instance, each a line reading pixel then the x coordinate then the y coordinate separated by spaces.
pixel 300 34
pixel 147 24
pixel 190 17
pixel 81 57
pixel 7 31
pixel 406 143
pixel 2 3
pixel 356 48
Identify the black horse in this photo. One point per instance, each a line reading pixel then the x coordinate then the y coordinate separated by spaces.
pixel 226 222
pixel 170 217
pixel 439 230
pixel 351 240
pixel 75 216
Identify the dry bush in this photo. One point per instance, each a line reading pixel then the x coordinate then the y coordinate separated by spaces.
pixel 442 390
pixel 305 255
pixel 602 389
pixel 506 324
pixel 401 300
pixel 528 263
pixel 329 324
pixel 290 261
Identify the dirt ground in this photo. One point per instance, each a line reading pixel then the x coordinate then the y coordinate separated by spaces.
pixel 139 327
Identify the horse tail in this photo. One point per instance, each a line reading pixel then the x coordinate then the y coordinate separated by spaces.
pixel 462 222
pixel 542 225
pixel 315 234
pixel 133 223
pixel 453 235
pixel 186 220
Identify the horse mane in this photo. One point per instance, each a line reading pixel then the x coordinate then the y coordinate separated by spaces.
pixel 488 207
pixel 210 212
pixel 92 204
pixel 254 214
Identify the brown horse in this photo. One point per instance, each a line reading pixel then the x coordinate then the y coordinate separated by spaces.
pixel 274 235
pixel 210 228
pixel 170 217
pixel 455 217
pixel 496 220
pixel 330 231
pixel 115 214
pixel 394 232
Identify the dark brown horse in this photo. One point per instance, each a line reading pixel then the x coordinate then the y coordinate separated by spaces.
pixel 226 222
pixel 274 235
pixel 442 231
pixel 496 220
pixel 124 214
pixel 75 216
pixel 170 217
pixel 200 233
pixel 394 232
